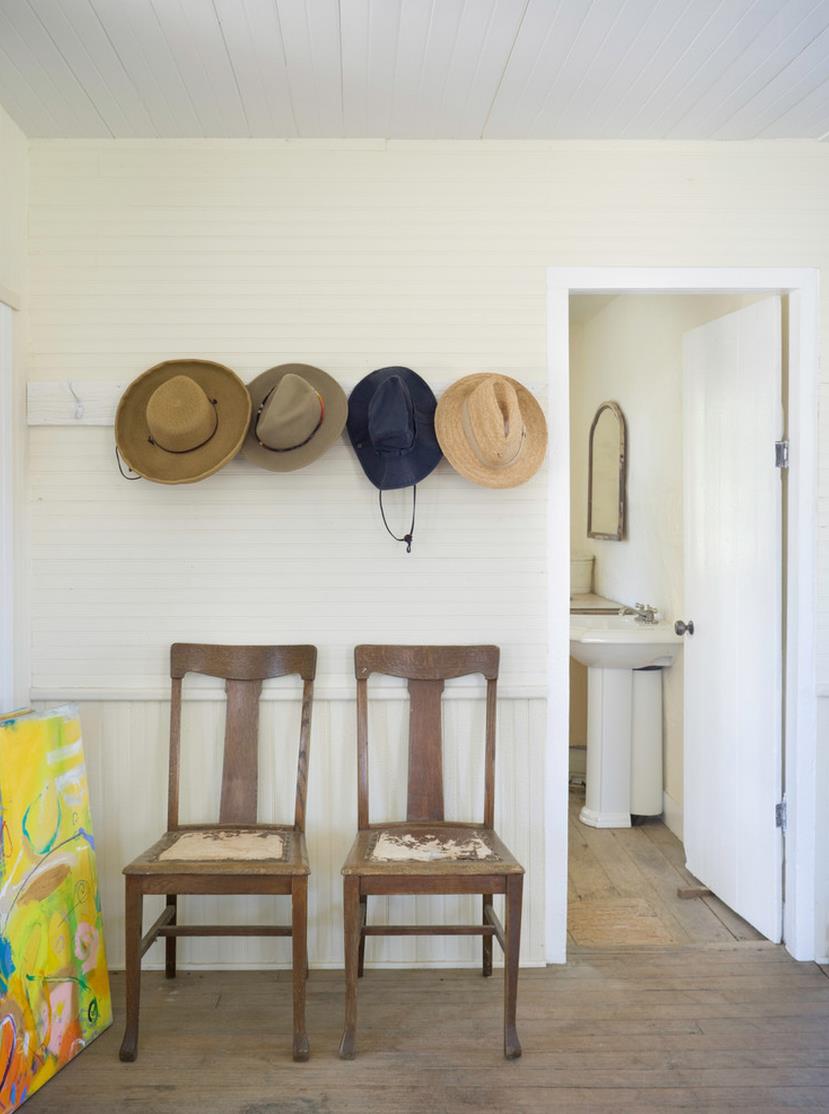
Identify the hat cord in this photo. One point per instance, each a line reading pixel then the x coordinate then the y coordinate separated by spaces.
pixel 214 402
pixel 121 467
pixel 293 448
pixel 407 538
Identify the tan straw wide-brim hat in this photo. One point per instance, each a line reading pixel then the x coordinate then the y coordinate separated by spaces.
pixel 298 413
pixel 492 430
pixel 182 420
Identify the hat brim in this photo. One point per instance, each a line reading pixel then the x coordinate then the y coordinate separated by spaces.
pixel 132 434
pixel 335 412
pixel 385 471
pixel 461 455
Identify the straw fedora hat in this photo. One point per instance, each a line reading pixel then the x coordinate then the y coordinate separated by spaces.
pixel 299 411
pixel 491 430
pixel 182 420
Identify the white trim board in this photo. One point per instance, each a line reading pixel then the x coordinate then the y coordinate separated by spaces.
pixel 7 507
pixel 672 814
pixel 322 691
pixel 403 965
pixel 802 285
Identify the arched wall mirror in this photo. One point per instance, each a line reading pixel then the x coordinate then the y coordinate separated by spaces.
pixel 606 475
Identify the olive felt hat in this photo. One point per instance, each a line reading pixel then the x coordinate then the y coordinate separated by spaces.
pixel 492 430
pixel 182 420
pixel 299 411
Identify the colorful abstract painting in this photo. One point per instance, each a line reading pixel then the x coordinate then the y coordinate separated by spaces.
pixel 54 986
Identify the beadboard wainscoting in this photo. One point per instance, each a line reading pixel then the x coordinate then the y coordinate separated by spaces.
pixel 126 758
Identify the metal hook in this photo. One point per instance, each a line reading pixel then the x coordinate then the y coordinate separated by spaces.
pixel 79 406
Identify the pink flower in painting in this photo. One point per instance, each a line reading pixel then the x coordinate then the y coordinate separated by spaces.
pixel 86 945
pixel 62 1016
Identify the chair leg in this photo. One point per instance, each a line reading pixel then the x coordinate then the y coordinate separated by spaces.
pixel 170 941
pixel 351 927
pixel 487 964
pixel 299 942
pixel 361 963
pixel 134 922
pixel 512 947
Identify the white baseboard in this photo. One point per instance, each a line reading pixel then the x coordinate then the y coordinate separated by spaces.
pixel 672 814
pixel 432 965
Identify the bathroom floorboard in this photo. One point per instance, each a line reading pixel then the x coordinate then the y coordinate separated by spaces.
pixel 623 890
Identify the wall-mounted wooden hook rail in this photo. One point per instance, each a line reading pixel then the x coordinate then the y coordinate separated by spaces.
pixel 94 401
pixel 72 402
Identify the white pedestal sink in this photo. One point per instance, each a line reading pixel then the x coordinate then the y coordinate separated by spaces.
pixel 624 661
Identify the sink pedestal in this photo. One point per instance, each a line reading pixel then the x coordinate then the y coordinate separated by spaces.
pixel 624 746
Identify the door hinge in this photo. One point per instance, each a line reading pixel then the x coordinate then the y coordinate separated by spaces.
pixel 781 454
pixel 780 817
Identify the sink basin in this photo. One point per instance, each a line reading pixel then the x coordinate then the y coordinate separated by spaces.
pixel 619 642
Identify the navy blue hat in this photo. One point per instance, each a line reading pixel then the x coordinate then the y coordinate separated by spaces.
pixel 391 423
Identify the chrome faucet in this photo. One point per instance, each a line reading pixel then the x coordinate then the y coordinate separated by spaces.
pixel 644 612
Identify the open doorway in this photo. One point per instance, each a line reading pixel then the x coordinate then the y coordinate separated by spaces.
pixel 681 850
pixel 664 512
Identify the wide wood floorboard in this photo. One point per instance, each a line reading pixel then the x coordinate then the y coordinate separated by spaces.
pixel 724 1027
pixel 664 1004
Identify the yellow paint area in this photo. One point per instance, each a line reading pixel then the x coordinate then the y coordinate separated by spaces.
pixel 54 985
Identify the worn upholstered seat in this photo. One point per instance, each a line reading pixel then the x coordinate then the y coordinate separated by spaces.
pixel 239 850
pixel 238 855
pixel 430 849
pixel 427 854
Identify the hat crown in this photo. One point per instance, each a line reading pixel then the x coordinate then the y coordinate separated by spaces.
pixel 493 422
pixel 180 416
pixel 391 421
pixel 290 415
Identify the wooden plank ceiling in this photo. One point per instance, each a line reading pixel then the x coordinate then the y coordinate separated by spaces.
pixel 498 69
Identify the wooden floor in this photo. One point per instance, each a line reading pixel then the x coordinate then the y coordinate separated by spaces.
pixel 677 1005
pixel 738 1026
pixel 623 889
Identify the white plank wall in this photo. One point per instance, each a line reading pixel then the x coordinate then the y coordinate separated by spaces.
pixel 350 255
pixel 126 754
pixel 250 556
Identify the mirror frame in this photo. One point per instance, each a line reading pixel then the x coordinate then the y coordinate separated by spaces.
pixel 616 410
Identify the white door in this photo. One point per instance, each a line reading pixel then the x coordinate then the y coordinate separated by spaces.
pixel 733 414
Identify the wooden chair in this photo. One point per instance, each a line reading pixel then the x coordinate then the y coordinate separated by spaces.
pixel 237 855
pixel 426 854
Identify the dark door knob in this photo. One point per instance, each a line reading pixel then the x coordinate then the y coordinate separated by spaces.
pixel 684 628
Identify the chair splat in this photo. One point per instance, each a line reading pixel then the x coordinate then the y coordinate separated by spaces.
pixel 425 792
pixel 240 770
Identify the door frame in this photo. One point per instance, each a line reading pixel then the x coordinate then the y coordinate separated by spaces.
pixel 801 284
pixel 8 505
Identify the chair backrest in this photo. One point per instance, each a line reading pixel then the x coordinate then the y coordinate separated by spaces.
pixel 425 668
pixel 243 668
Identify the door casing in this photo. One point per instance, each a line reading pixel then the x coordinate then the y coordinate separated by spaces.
pixel 800 755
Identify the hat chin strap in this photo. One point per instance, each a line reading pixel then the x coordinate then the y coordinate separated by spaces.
pixel 137 475
pixel 407 538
